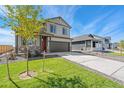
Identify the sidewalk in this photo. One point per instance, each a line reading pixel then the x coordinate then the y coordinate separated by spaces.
pixel 105 55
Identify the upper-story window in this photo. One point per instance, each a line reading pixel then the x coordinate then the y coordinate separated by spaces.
pixel 64 31
pixel 52 28
pixel 106 40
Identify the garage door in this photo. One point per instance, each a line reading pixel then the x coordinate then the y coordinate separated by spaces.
pixel 59 46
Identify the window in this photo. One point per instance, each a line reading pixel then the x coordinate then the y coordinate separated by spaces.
pixel 30 42
pixel 79 42
pixel 52 28
pixel 64 31
pixel 23 42
pixel 94 44
pixel 88 43
pixel 106 40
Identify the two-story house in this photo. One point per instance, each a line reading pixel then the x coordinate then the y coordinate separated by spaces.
pixel 91 42
pixel 54 38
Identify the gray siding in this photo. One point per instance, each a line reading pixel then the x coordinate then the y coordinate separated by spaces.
pixel 81 45
pixel 77 46
pixel 59 29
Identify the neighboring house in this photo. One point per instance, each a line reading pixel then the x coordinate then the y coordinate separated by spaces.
pixel 115 45
pixel 90 42
pixel 55 37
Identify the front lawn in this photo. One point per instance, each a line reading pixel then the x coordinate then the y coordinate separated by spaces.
pixel 59 73
pixel 116 54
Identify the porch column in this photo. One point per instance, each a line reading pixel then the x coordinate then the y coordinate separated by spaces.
pixel 70 46
pixel 48 44
pixel 91 45
pixel 85 45
pixel 16 44
pixel 40 42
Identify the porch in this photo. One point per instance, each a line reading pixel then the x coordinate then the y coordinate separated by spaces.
pixel 38 45
pixel 44 42
pixel 87 45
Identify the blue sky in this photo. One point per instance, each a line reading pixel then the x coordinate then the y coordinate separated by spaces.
pixel 99 20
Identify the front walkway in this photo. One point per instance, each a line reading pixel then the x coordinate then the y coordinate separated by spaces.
pixel 113 69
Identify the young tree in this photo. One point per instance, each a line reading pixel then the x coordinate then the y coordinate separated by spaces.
pixel 2 18
pixel 25 21
pixel 121 46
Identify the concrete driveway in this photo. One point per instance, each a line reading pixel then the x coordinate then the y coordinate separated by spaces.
pixel 111 68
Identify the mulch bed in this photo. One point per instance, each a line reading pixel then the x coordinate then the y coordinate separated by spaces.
pixel 24 76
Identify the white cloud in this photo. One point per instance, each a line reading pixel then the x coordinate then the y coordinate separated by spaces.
pixel 114 23
pixel 93 25
pixel 110 28
pixel 5 32
pixel 7 41
pixel 2 10
pixel 67 12
pixel 6 37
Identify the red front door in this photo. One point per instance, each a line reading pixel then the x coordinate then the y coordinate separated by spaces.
pixel 44 40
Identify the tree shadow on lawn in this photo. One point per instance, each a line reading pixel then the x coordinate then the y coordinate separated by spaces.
pixel 41 57
pixel 14 83
pixel 58 81
pixel 61 82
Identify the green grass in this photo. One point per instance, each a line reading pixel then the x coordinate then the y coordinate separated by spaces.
pixel 59 73
pixel 116 54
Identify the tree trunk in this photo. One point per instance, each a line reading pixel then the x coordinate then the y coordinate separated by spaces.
pixel 43 60
pixel 27 60
pixel 43 66
pixel 7 65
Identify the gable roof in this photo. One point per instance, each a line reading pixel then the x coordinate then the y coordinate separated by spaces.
pixel 87 37
pixel 54 20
